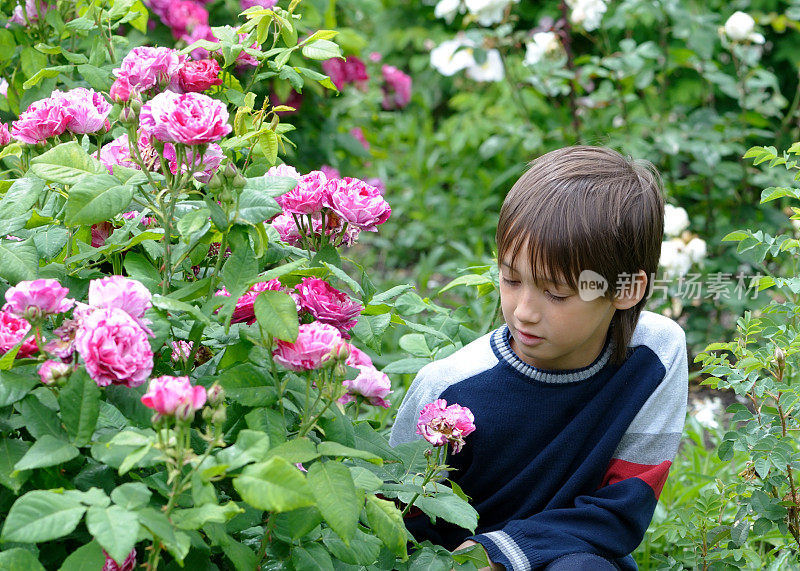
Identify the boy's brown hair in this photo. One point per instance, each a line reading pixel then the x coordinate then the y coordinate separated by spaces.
pixel 587 208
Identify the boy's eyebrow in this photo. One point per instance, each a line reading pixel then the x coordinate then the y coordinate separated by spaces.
pixel 546 280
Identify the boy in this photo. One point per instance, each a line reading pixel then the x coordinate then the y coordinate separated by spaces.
pixel 580 398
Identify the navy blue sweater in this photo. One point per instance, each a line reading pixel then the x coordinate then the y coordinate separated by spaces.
pixel 561 461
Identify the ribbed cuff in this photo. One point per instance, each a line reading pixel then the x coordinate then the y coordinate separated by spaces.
pixel 503 550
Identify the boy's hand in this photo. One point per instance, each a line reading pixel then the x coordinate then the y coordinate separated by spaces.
pixel 492 566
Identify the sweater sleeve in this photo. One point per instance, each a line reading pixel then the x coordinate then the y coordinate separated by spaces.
pixel 421 392
pixel 611 521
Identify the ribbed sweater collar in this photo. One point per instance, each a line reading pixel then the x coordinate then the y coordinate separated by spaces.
pixel 502 347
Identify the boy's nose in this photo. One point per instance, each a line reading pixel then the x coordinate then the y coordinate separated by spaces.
pixel 527 309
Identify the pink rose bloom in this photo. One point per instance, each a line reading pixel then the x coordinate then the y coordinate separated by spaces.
pixel 377 183
pixel 33 10
pixel 284 170
pixel 181 351
pixel 342 72
pixel 308 196
pixel 199 75
pixel 37 298
pixel 204 167
pixel 183 16
pixel 371 384
pixel 87 109
pixel 117 152
pixel 244 59
pixel 287 229
pixel 128 565
pixel 244 311
pixel 114 348
pixel 359 203
pixel 311 349
pixel 199 33
pixel 262 3
pixel 358 133
pixel 440 424
pixel 146 68
pixel 54 372
pixel 5 135
pixel 43 119
pixel 121 90
pixel 100 233
pixel 188 118
pixel 159 7
pixel 327 304
pixel 166 393
pixel 330 171
pixel 122 293
pixel 12 330
pixel 357 358
pixel 396 89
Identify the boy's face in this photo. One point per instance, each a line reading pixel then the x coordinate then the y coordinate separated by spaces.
pixel 551 326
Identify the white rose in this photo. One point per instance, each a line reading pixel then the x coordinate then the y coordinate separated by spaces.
pixel 489 70
pixel 675 220
pixel 740 27
pixel 452 56
pixel 696 250
pixel 447 9
pixel 488 12
pixel 587 13
pixel 541 44
pixel 674 259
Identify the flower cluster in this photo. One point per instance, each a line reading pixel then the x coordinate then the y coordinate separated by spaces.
pixel 587 13
pixel 331 208
pixel 682 248
pixel 486 12
pixel 452 56
pixel 440 424
pixel 79 111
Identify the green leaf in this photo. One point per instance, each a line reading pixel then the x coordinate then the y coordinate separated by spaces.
pixel 20 198
pixel 276 313
pixel 11 450
pixel 450 508
pixel 19 261
pixel 131 495
pixel 274 485
pixel 329 448
pixel 88 557
pixel 80 407
pixel 271 185
pixel 321 50
pixel 41 515
pixel 172 305
pixel 297 523
pixel 19 559
pixel 195 518
pixel 40 420
pixel 311 557
pixel 14 385
pixel 386 521
pixel 249 385
pixel 176 542
pixel 370 328
pixel 47 451
pixel 296 450
pixel 363 549
pixel 115 529
pixel 96 199
pixel 66 163
pixel 255 207
pixel 337 499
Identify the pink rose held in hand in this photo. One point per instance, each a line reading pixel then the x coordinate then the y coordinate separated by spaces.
pixel 114 348
pixel 327 304
pixel 165 394
pixel 440 424
pixel 38 298
pixel 311 349
pixel 188 118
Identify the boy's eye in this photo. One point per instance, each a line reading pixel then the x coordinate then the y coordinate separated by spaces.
pixel 557 298
pixel 510 281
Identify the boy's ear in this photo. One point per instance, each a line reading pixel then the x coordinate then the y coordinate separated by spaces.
pixel 631 293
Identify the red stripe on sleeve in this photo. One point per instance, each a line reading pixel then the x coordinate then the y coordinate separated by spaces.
pixel 654 475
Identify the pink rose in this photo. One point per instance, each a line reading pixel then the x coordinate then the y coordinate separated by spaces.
pixel 54 372
pixel 12 330
pixel 188 118
pixel 262 3
pixel 330 172
pixel 284 170
pixel 147 68
pixel 117 152
pixel 204 167
pixel 181 351
pixel 357 358
pixel 287 229
pixel 375 56
pixel 371 384
pixel 311 349
pixel 43 119
pixel 396 89
pixel 440 424
pixel 342 72
pixel 38 298
pixel 199 75
pixel 114 348
pixel 122 293
pixel 183 16
pixel 5 135
pixel 100 233
pixel 121 90
pixel 34 9
pixel 87 109
pixel 244 311
pixel 308 196
pixel 327 304
pixel 165 394
pixel 244 59
pixel 359 203
pixel 128 565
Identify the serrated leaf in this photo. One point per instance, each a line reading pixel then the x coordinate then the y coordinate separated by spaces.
pixel 321 50
pixel 131 495
pixel 20 198
pixel 19 559
pixel 19 261
pixel 47 451
pixel 87 557
pixel 274 485
pixel 386 521
pixel 115 529
pixel 276 313
pixel 41 515
pixel 11 450
pixel 195 518
pixel 66 163
pixel 330 448
pixel 80 407
pixel 336 497
pixel 172 305
pixel 14 385
pixel 96 199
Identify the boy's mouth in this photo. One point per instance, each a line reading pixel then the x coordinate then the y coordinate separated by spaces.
pixel 527 338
